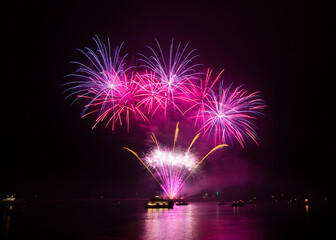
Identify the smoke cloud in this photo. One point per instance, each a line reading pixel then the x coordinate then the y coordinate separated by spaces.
pixel 224 171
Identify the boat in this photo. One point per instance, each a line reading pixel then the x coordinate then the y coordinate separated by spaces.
pixel 11 201
pixel 239 203
pixel 252 201
pixel 159 202
pixel 181 203
pixel 220 203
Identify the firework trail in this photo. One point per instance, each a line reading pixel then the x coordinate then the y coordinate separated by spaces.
pixel 229 115
pixel 171 167
pixel 106 85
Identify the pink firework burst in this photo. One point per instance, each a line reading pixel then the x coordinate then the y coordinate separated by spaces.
pixel 105 84
pixel 118 106
pixel 151 94
pixel 199 96
pixel 114 93
pixel 174 73
pixel 230 114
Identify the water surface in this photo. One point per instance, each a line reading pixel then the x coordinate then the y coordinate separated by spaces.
pixel 199 220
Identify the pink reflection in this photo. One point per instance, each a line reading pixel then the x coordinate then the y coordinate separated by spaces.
pixel 174 223
pixel 203 221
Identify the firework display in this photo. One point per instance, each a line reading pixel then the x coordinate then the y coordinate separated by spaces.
pixel 115 93
pixel 171 167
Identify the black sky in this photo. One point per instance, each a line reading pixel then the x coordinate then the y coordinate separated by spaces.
pixel 282 48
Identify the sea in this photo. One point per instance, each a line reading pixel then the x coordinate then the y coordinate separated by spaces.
pixel 104 219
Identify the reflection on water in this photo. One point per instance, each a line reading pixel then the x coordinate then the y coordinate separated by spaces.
pixel 235 211
pixel 307 214
pixel 8 211
pixel 307 209
pixel 199 220
pixel 202 221
pixel 174 223
pixel 8 220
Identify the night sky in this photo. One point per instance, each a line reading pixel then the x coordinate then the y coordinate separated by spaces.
pixel 282 48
